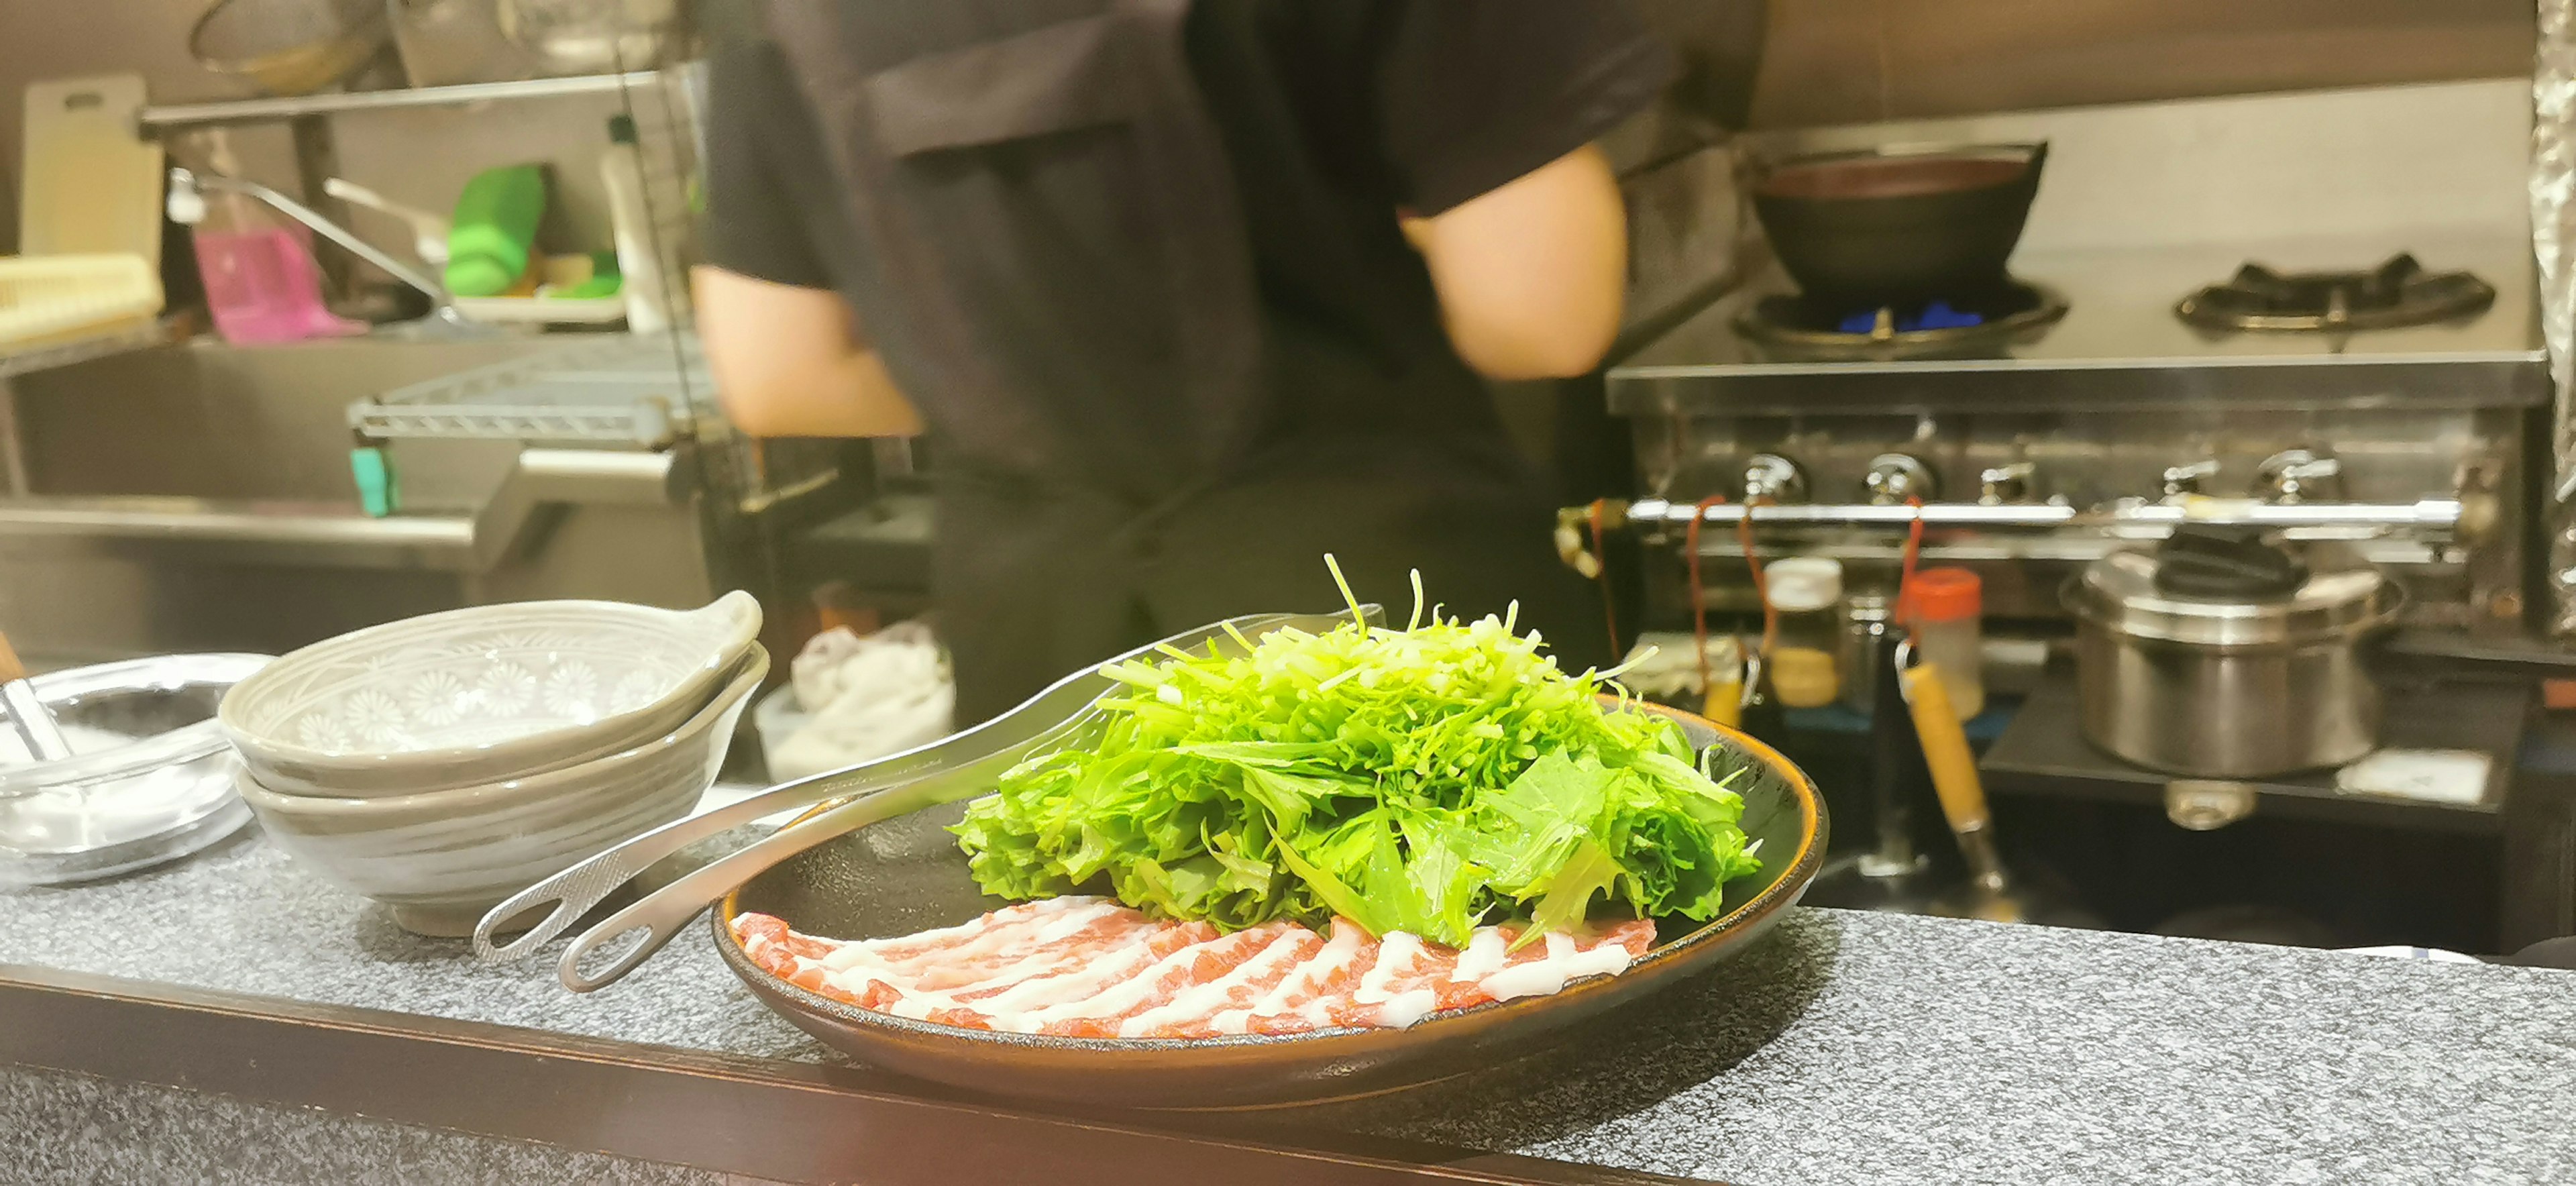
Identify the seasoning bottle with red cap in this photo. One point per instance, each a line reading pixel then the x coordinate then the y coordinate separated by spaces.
pixel 1942 606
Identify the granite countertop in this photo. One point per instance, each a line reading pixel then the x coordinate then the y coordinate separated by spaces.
pixel 1845 1048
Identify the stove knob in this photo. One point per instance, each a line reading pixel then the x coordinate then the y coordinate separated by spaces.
pixel 2299 475
pixel 2007 483
pixel 1896 477
pixel 1769 477
pixel 2183 480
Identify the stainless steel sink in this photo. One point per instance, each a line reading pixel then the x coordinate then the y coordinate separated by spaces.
pixel 199 497
pixel 207 420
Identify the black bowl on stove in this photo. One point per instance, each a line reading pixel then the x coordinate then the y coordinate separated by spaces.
pixel 1897 227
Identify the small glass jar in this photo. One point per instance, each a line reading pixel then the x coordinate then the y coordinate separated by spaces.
pixel 1806 594
pixel 1942 606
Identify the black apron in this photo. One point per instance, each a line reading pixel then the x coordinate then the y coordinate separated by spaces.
pixel 1130 441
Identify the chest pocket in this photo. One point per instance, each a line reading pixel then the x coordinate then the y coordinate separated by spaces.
pixel 1066 269
pixel 1061 78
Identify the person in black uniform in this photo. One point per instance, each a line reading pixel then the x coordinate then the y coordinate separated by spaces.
pixel 982 218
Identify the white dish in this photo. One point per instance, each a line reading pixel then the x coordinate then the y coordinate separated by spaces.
pixel 440 859
pixel 474 695
pixel 542 310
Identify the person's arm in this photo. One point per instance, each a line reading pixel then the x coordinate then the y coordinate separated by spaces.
pixel 1488 112
pixel 789 359
pixel 788 364
pixel 1531 276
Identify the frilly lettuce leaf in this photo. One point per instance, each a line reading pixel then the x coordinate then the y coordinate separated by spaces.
pixel 1427 780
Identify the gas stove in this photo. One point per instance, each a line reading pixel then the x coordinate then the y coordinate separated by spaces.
pixel 2244 304
pixel 2101 328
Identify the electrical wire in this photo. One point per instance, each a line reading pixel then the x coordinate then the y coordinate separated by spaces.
pixel 1905 574
pixel 1609 609
pixel 1698 600
pixel 1753 565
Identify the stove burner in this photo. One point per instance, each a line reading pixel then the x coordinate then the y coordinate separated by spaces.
pixel 1793 320
pixel 2397 293
pixel 1937 315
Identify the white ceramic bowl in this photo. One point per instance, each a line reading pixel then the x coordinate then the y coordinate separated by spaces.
pixel 480 694
pixel 440 859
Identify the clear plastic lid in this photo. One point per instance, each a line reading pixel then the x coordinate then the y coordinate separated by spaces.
pixel 1803 584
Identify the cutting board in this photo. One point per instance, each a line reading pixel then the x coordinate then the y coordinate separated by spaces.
pixel 92 183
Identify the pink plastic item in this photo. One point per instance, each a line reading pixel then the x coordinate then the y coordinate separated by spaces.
pixel 262 286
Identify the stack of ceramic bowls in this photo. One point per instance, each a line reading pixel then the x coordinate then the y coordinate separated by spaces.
pixel 442 763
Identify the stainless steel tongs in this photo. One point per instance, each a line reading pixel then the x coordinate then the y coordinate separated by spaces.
pixel 957 767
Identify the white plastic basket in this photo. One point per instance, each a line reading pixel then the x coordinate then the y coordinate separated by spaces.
pixel 47 298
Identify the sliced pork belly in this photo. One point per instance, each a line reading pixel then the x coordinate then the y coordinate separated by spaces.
pixel 1088 967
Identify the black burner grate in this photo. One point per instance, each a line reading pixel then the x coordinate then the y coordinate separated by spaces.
pixel 2397 293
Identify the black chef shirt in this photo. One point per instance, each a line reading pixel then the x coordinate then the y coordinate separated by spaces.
pixel 1336 114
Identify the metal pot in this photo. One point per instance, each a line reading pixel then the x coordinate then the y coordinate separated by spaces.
pixel 1900 226
pixel 2243 676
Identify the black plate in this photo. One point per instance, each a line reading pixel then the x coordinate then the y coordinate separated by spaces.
pixel 907 875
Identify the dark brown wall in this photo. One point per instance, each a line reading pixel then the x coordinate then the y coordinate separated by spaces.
pixel 1852 61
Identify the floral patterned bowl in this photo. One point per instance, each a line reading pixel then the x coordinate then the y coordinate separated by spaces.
pixel 440 859
pixel 481 694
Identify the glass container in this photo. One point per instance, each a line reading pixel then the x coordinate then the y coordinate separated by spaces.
pixel 150 778
pixel 1943 607
pixel 1806 594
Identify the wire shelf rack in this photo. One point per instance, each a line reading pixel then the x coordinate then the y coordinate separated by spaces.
pixel 637 390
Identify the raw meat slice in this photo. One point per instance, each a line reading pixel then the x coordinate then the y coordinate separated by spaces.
pixel 1088 967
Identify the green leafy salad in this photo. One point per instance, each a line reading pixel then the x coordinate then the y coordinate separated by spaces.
pixel 1428 780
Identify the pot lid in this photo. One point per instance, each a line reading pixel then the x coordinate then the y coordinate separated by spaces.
pixel 2228 592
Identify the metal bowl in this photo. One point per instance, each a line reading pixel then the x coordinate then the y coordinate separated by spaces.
pixel 907 875
pixel 289 47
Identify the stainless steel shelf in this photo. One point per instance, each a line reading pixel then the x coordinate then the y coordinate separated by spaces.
pixel 2043 753
pixel 2438 513
pixel 267 110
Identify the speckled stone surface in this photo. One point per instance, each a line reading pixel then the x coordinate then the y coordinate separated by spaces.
pixel 1861 1048
pixel 241 917
pixel 1846 1048
pixel 73 1130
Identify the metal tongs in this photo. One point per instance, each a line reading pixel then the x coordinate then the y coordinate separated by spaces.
pixel 960 766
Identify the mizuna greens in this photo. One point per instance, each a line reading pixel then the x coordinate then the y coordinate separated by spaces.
pixel 1423 780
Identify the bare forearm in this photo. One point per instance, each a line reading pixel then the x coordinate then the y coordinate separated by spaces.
pixel 1532 276
pixel 787 363
pixel 848 396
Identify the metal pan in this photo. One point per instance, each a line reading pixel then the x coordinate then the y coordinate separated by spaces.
pixel 906 875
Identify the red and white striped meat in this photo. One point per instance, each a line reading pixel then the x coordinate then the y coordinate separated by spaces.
pixel 1091 968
